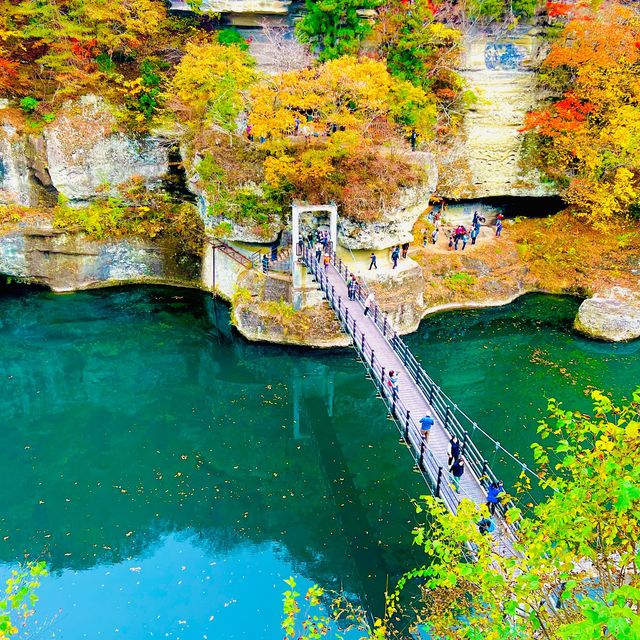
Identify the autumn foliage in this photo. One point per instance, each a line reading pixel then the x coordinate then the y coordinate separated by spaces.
pixel 587 138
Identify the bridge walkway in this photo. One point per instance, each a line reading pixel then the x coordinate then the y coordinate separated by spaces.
pixel 382 351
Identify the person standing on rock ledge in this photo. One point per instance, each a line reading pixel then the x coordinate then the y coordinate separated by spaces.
pixel 395 255
pixel 374 261
pixel 405 250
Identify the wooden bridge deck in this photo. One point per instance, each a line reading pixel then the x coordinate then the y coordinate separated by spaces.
pixel 378 346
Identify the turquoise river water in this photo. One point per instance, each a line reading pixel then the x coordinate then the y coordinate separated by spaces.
pixel 173 475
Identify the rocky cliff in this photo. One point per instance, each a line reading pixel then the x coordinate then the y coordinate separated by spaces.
pixel 69 261
pixel 82 152
pixel 485 163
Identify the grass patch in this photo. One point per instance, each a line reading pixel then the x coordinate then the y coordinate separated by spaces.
pixel 460 282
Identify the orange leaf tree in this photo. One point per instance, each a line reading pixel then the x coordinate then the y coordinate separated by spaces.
pixel 587 138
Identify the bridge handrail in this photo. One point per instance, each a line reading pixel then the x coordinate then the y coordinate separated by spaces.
pixel 411 431
pixel 423 379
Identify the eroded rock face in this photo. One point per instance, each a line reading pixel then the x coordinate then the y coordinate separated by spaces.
pixel 69 262
pixel 612 315
pixel 85 151
pixel 400 293
pixel 15 178
pixel 486 163
pixel 395 224
pixel 269 7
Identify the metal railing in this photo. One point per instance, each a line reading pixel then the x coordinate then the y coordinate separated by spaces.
pixel 407 424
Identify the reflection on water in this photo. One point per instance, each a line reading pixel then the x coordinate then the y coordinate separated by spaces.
pixel 138 431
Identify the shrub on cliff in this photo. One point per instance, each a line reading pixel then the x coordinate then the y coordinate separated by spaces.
pixel 135 212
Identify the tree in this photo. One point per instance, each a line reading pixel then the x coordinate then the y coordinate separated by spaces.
pixel 335 27
pixel 575 572
pixel 587 138
pixel 211 80
pixel 16 604
pixel 348 94
pixel 424 52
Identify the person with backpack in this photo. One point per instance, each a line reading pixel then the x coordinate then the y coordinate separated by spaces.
pixel 395 255
pixel 495 490
pixel 456 471
pixel 434 236
pixel 393 381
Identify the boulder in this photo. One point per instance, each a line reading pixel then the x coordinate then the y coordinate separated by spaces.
pixel 612 315
pixel 86 151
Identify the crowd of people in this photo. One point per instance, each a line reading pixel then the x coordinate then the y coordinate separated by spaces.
pixel 458 237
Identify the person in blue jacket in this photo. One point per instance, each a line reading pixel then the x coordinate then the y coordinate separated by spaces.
pixel 425 425
pixel 495 490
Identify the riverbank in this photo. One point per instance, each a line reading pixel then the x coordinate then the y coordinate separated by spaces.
pixel 553 255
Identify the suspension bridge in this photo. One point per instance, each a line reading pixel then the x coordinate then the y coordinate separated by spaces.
pixel 382 350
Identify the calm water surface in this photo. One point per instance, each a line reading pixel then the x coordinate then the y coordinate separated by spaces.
pixel 173 475
pixel 502 364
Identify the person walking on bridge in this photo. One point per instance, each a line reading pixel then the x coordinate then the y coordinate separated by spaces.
pixel 495 490
pixel 425 425
pixel 393 382
pixel 352 286
pixel 368 302
pixel 454 449
pixel 456 470
pixel 318 248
